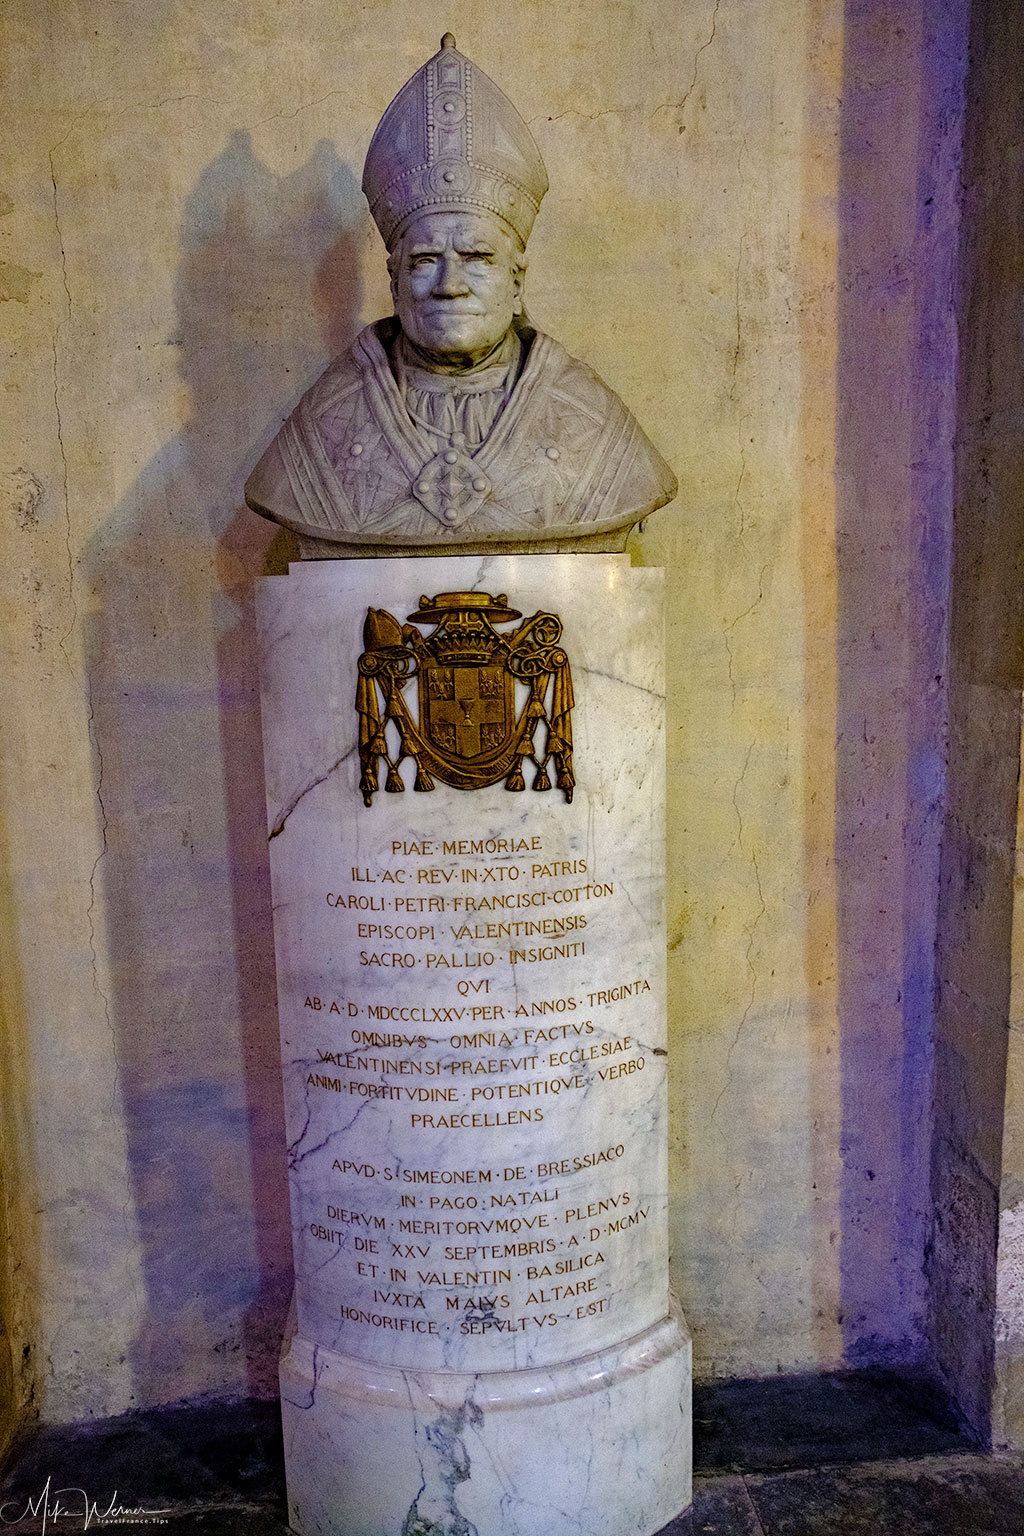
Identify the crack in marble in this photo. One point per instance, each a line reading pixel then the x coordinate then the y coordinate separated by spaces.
pixel 440 1514
pixel 295 1158
pixel 279 825
pixel 624 682
pixel 304 1407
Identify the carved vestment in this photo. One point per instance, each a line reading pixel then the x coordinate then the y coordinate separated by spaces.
pixel 564 458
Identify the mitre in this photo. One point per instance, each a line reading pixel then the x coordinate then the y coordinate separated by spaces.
pixel 450 141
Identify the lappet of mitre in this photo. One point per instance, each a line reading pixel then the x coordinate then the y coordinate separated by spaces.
pixel 455 425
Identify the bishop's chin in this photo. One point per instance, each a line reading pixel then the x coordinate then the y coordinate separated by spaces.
pixel 454 345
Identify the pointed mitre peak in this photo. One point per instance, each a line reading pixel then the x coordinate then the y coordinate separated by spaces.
pixel 451 140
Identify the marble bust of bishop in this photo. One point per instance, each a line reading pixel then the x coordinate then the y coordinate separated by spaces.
pixel 454 426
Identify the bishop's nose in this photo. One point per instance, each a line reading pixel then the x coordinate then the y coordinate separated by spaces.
pixel 449 278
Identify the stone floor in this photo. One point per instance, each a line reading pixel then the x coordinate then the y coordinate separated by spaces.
pixel 847 1455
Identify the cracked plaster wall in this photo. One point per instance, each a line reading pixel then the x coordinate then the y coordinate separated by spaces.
pixel 187 247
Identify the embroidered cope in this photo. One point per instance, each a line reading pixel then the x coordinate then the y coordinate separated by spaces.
pixel 528 445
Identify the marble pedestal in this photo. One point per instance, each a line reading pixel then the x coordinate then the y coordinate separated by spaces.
pixel 472 1007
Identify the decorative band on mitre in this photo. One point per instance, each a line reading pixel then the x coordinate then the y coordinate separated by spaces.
pixel 452 140
pixel 452 186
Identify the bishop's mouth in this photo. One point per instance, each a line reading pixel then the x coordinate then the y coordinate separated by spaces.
pixel 451 307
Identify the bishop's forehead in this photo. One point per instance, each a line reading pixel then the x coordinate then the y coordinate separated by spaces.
pixel 452 141
pixel 466 230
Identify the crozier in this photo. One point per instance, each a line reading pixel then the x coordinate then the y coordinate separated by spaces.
pixel 465 787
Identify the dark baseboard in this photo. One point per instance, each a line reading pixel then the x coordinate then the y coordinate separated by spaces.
pixel 222 1462
pixel 783 1422
pixel 193 1454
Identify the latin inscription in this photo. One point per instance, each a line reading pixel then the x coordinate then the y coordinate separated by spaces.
pixel 450 1024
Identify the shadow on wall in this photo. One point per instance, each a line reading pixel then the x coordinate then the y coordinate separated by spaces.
pixel 268 284
pixel 902 118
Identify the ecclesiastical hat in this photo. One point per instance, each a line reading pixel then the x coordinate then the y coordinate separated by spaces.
pixel 450 141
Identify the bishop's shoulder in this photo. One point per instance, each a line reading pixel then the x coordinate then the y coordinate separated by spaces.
pixel 565 461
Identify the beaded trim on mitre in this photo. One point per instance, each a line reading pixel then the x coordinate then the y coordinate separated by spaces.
pixel 452 175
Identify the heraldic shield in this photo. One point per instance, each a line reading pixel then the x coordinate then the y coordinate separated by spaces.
pixel 468 733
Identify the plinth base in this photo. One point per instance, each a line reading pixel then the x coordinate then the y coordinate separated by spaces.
pixel 599 1446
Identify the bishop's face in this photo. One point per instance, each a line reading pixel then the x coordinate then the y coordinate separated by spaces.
pixel 456 279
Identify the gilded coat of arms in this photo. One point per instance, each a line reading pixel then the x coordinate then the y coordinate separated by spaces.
pixel 469 732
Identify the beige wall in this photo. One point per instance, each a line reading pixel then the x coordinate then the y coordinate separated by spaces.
pixel 186 246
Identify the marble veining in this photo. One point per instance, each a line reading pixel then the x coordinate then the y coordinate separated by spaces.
pixel 472 1005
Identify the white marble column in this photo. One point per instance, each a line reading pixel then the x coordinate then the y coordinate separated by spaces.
pixel 472 1007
